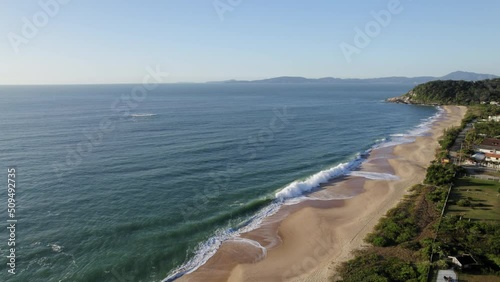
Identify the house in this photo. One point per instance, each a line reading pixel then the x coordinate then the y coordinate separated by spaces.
pixel 487 154
pixel 493 158
pixel 464 261
pixel 489 145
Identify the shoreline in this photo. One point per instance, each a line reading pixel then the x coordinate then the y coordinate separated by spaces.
pixel 306 241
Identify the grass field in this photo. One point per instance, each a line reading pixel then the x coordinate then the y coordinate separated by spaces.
pixel 482 195
pixel 477 278
pixel 492 173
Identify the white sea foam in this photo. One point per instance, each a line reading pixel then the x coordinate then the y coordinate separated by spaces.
pixel 420 130
pixel 56 248
pixel 374 175
pixel 290 194
pixel 299 187
pixel 207 249
pixel 142 115
pixel 204 251
pixel 294 193
pixel 254 244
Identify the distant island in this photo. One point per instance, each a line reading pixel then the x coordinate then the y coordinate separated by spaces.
pixel 452 92
pixel 458 75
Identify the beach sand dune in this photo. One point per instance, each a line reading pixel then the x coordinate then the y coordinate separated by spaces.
pixel 305 242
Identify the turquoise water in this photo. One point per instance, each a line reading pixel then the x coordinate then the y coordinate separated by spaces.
pixel 132 193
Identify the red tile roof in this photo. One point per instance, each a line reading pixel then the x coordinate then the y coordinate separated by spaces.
pixel 490 155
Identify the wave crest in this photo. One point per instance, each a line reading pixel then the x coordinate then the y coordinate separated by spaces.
pixel 142 115
pixel 298 188
pixel 291 194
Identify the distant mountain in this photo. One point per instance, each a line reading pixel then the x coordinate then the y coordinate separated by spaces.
pixel 468 76
pixel 458 75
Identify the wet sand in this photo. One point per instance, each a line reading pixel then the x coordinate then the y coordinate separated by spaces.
pixel 306 241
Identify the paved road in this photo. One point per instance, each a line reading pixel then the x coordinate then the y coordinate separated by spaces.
pixel 448 273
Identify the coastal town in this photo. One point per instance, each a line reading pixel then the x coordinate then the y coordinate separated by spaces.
pixel 487 154
pixel 448 227
pixel 250 141
pixel 479 155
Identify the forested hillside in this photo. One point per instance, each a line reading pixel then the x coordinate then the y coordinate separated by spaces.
pixel 452 92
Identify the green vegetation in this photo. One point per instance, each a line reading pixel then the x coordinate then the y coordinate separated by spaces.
pixel 481 129
pixel 449 137
pixel 398 239
pixel 458 235
pixel 373 267
pixel 398 226
pixel 451 92
pixel 492 173
pixel 441 174
pixel 475 199
pixel 464 203
pixel 488 129
pixel 481 112
pixel 479 278
pixel 447 140
pixel 474 136
pixel 411 232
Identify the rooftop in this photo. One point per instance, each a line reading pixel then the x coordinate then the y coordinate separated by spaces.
pixel 490 155
pixel 465 259
pixel 491 143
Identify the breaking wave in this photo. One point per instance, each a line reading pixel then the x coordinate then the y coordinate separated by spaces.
pixel 142 115
pixel 294 193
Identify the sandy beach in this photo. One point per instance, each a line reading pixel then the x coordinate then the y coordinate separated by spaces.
pixel 306 241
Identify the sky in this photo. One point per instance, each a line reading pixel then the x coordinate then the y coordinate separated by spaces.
pixel 114 41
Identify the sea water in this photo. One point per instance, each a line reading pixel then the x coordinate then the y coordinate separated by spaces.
pixel 112 188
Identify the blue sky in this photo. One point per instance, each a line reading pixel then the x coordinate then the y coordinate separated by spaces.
pixel 90 41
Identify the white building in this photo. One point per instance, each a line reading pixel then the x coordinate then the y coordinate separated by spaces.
pixel 493 118
pixel 489 145
pixel 492 158
pixel 491 149
pixel 464 261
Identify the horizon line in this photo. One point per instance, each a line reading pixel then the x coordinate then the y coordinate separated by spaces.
pixel 233 79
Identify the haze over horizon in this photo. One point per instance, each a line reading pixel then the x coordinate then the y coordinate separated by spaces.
pixel 86 42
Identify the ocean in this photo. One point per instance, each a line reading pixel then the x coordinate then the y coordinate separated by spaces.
pixel 119 187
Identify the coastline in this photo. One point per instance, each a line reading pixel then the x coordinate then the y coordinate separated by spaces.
pixel 306 241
